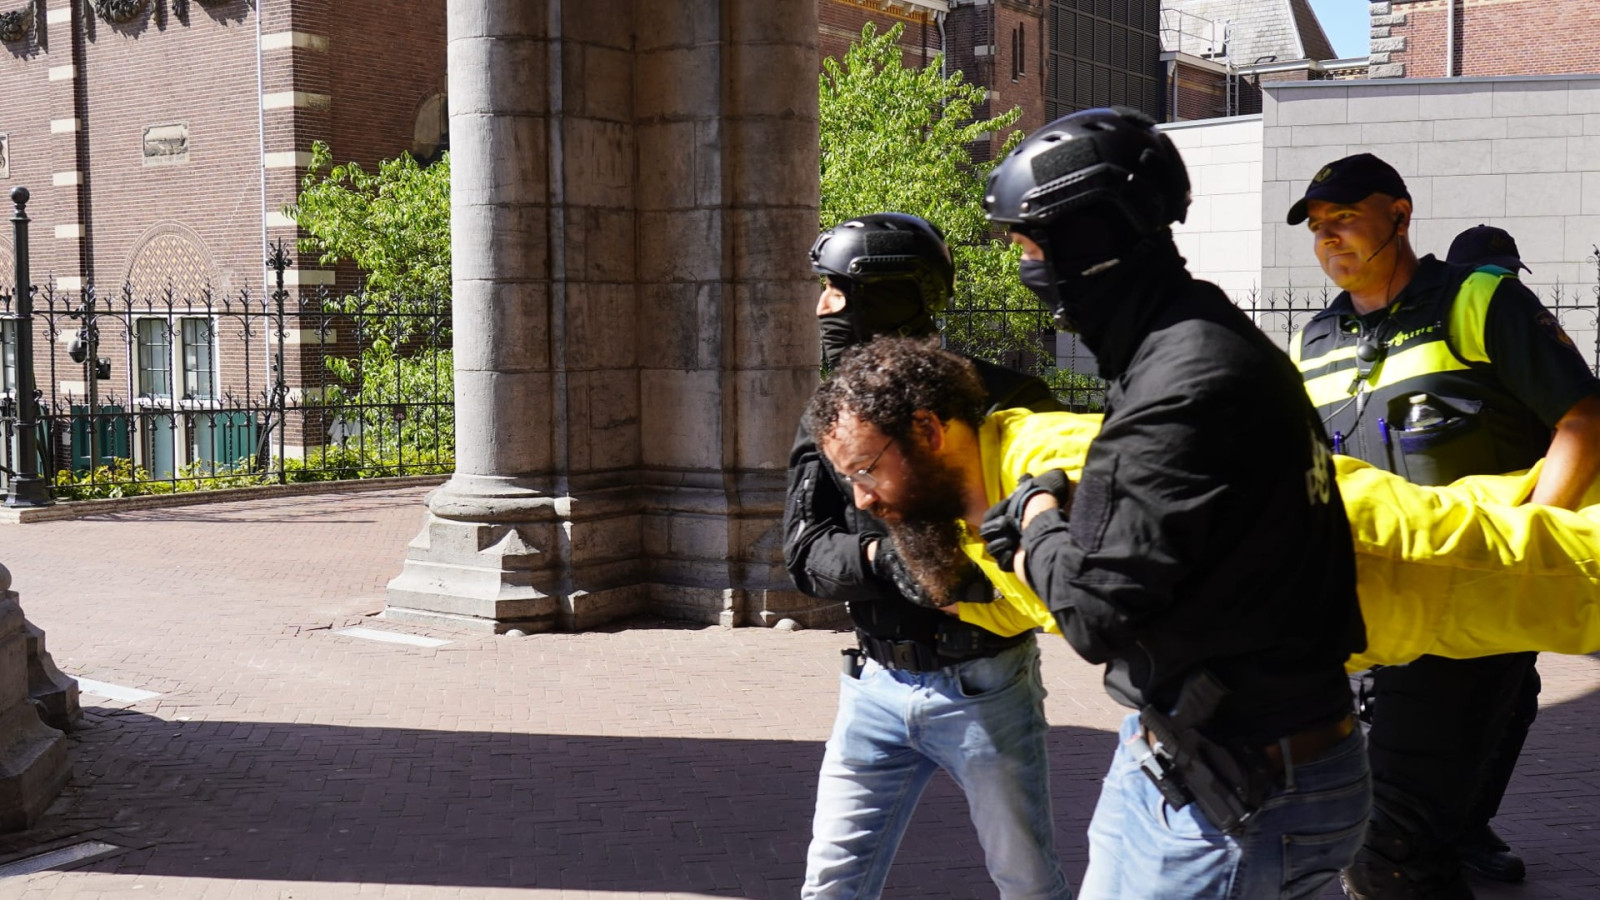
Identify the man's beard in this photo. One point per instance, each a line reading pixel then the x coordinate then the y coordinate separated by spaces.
pixel 926 528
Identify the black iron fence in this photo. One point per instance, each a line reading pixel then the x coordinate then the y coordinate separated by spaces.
pixel 141 393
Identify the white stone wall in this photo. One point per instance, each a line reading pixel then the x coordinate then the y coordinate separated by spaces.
pixel 1222 237
pixel 1522 153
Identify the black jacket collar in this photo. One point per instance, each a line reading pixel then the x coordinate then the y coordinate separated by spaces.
pixel 1131 295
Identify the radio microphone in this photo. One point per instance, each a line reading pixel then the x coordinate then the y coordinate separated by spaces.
pixel 1386 241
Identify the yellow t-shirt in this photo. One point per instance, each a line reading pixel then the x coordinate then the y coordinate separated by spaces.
pixel 1013 443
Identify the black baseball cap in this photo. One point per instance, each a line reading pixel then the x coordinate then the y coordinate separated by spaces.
pixel 1486 245
pixel 1350 180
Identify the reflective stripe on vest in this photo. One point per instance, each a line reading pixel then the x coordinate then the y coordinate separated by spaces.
pixel 1470 313
pixel 1461 346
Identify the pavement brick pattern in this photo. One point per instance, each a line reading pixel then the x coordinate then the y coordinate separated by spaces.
pixel 285 760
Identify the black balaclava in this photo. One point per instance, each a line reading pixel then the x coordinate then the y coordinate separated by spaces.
pixel 873 309
pixel 1093 277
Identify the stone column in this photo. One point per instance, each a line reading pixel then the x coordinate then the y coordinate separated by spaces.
pixel 727 111
pixel 490 552
pixel 33 756
pixel 635 187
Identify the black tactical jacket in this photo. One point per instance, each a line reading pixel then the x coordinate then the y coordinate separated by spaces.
pixel 825 535
pixel 1207 529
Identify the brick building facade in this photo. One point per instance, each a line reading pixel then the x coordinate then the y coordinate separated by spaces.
pixel 1046 57
pixel 1411 38
pixel 839 23
pixel 161 140
pixel 164 147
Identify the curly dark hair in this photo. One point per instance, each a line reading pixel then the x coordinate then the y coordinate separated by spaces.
pixel 883 383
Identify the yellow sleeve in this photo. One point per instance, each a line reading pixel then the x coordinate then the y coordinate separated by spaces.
pixel 1464 570
pixel 1014 443
pixel 1469 569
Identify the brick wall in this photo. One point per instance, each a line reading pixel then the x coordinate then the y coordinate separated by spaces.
pixel 1200 94
pixel 200 73
pixel 82 94
pixel 1018 69
pixel 1493 37
pixel 839 23
pixel 25 120
pixel 1001 46
pixel 383 68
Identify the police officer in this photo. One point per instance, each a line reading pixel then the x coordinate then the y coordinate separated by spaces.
pixel 1435 371
pixel 922 690
pixel 1205 559
pixel 1481 849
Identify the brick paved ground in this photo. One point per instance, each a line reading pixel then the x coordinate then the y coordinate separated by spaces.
pixel 284 760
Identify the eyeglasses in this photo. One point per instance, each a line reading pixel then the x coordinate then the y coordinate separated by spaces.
pixel 863 477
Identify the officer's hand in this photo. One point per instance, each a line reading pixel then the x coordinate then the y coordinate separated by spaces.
pixel 888 565
pixel 1001 528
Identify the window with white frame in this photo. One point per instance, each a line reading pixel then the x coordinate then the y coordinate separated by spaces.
pixel 154 358
pixel 187 363
pixel 175 358
pixel 199 359
pixel 8 357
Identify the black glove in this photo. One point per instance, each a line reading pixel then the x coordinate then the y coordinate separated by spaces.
pixel 888 565
pixel 970 587
pixel 973 587
pixel 1001 528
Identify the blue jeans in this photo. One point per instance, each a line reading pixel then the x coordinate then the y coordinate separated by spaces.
pixel 983 722
pixel 1305 832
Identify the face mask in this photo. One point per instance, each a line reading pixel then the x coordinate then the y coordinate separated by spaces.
pixel 838 333
pixel 1038 277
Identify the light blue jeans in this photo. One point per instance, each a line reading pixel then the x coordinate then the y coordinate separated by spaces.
pixel 983 722
pixel 1307 830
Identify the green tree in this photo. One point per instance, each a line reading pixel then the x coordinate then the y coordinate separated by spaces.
pixel 895 138
pixel 395 225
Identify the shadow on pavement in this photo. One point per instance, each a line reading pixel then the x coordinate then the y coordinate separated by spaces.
pixel 276 801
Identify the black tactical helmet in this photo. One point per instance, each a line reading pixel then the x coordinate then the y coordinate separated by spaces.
pixel 1103 158
pixel 882 248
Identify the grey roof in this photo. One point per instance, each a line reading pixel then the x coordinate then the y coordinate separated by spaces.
pixel 1286 29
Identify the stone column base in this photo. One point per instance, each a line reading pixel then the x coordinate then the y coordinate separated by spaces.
pixel 33 766
pixel 52 690
pixel 33 756
pixel 477 576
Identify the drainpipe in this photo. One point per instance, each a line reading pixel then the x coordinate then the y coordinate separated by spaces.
pixel 944 49
pixel 1172 75
pixel 1449 38
pixel 261 142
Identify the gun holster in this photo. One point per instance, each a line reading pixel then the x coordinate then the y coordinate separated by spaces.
pixel 1227 785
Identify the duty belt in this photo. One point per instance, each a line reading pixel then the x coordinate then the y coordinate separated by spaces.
pixel 951 646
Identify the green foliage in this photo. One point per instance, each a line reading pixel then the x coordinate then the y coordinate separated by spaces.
pixel 403 400
pixel 1081 393
pixel 896 139
pixel 121 478
pixel 394 223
